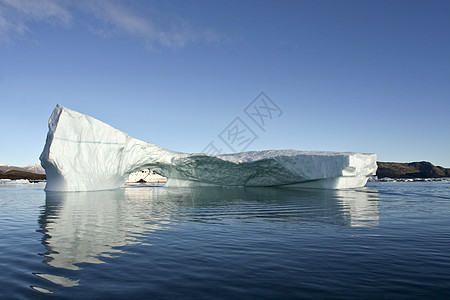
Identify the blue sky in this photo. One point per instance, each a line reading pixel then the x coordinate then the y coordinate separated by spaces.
pixel 362 76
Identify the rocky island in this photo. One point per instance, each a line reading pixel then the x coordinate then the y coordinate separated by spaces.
pixel 422 169
pixel 33 172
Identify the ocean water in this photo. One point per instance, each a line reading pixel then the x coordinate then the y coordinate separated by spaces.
pixel 386 240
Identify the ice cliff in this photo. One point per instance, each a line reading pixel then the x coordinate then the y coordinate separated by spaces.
pixel 84 154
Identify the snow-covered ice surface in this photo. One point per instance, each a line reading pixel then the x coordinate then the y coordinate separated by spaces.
pixel 21 183
pixel 84 154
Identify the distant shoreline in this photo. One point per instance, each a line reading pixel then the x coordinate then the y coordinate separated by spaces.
pixel 423 169
pixel 388 170
pixel 18 174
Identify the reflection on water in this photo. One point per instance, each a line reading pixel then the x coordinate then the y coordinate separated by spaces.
pixel 83 227
pixel 88 226
pixel 360 206
pixel 357 208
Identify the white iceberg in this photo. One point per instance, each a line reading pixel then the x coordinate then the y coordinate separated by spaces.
pixel 84 154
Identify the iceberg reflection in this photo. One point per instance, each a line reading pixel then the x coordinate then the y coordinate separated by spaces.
pixel 357 208
pixel 84 227
pixel 361 206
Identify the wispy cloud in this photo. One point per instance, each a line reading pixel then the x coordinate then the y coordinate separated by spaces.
pixel 104 18
pixel 17 15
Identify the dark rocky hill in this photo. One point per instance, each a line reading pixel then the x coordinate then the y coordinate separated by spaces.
pixel 18 174
pixel 422 169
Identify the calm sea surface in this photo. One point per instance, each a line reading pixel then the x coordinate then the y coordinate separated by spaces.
pixel 383 241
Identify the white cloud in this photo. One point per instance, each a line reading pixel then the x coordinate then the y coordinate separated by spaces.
pixel 43 10
pixel 105 18
pixel 17 15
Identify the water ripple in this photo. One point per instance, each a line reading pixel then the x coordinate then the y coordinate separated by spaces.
pixel 154 242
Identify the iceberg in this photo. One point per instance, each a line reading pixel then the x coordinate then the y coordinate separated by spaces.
pixel 82 153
